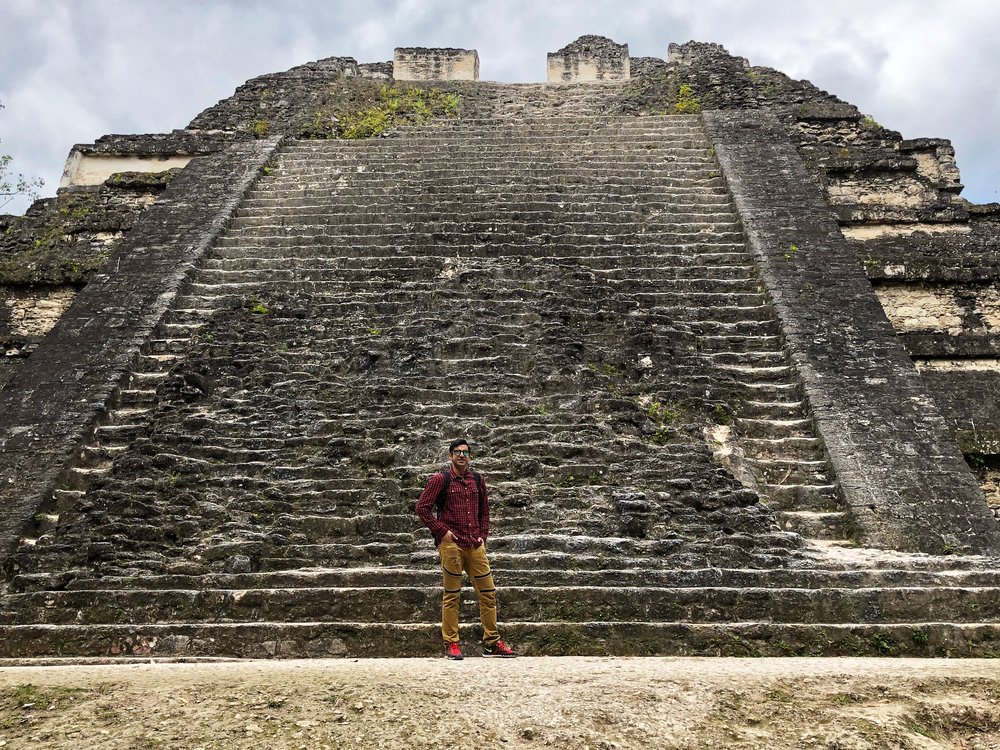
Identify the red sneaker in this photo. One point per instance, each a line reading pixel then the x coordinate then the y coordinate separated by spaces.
pixel 452 651
pixel 498 649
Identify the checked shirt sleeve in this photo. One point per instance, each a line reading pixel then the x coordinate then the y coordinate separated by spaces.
pixel 425 507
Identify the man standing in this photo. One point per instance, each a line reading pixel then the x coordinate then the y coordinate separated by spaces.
pixel 460 528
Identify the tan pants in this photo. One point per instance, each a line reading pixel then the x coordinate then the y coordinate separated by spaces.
pixel 454 560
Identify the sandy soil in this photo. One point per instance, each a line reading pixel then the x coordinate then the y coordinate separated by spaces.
pixel 575 703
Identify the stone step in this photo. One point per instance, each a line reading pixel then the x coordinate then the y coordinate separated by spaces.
pixel 80 477
pixel 496 183
pixel 266 203
pixel 618 267
pixel 389 279
pixel 774 391
pixel 589 256
pixel 184 329
pixel 119 434
pixel 776 410
pixel 802 497
pixel 868 577
pixel 774 428
pixel 484 209
pixel 530 130
pixel 299 200
pixel 101 454
pixel 401 141
pixel 488 176
pixel 737 550
pixel 751 373
pixel 815 524
pixel 648 138
pixel 469 140
pixel 562 190
pixel 134 397
pixel 402 604
pixel 709 311
pixel 570 138
pixel 552 122
pixel 554 222
pixel 518 550
pixel 168 346
pixel 800 447
pixel 64 497
pixel 518 155
pixel 525 236
pixel 740 359
pixel 690 301
pixel 493 154
pixel 357 640
pixel 598 477
pixel 556 119
pixel 764 551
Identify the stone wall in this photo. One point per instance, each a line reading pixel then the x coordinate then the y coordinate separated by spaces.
pixel 423 64
pixel 900 471
pixel 53 403
pixel 47 255
pixel 932 257
pixel 589 58
pixel 939 284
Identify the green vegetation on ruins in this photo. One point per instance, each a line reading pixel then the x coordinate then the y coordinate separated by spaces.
pixel 396 106
pixel 687 103
pixel 258 128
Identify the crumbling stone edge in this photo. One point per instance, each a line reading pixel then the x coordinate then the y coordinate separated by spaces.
pixel 53 404
pixel 902 475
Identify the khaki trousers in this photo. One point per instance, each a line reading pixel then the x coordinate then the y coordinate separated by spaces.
pixel 454 560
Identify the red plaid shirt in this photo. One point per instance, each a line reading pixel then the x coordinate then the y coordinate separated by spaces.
pixel 464 513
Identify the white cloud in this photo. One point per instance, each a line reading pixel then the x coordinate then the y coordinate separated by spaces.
pixel 72 71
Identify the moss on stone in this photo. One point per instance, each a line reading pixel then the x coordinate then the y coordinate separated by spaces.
pixel 398 106
pixel 258 128
pixel 687 103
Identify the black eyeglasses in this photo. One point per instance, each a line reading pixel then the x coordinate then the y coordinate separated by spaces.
pixel 461 453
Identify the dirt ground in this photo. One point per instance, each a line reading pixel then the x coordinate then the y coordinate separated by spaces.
pixel 574 703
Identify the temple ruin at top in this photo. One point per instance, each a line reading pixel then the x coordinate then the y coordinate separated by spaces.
pixel 726 348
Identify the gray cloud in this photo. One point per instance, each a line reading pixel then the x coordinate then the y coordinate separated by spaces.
pixel 71 71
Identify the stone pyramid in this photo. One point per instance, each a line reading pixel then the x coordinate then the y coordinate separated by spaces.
pixel 723 346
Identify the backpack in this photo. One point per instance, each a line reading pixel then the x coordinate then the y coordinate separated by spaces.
pixel 443 494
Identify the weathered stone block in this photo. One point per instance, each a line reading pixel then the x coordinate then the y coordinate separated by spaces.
pixel 444 64
pixel 590 58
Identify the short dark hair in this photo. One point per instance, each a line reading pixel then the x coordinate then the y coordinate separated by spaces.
pixel 456 443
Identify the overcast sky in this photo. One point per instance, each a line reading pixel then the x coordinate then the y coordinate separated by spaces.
pixel 73 70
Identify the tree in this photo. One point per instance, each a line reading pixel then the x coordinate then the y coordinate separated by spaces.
pixel 13 185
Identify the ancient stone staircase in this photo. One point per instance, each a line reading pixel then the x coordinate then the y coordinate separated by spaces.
pixel 574 295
